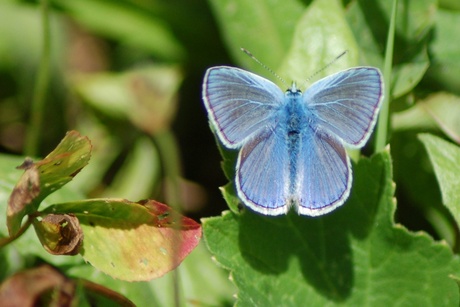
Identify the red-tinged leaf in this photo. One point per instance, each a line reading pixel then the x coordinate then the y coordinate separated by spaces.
pixel 46 176
pixel 132 241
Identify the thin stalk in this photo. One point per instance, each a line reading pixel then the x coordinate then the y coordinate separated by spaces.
pixel 41 87
pixel 169 155
pixel 382 125
pixel 8 240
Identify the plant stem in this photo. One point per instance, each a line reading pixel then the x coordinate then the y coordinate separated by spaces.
pixel 41 86
pixel 169 156
pixel 8 240
pixel 382 125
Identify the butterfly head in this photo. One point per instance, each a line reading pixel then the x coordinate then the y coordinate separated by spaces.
pixel 293 89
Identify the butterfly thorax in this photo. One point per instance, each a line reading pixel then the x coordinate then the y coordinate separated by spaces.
pixel 294 111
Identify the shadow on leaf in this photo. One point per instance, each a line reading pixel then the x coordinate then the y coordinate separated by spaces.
pixel 321 245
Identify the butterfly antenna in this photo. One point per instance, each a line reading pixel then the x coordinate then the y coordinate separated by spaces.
pixel 327 65
pixel 263 65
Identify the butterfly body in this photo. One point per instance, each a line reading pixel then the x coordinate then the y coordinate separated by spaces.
pixel 292 126
pixel 292 144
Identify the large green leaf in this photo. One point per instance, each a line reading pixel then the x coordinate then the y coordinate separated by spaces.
pixel 317 43
pixel 354 256
pixel 296 46
pixel 259 26
pixel 445 158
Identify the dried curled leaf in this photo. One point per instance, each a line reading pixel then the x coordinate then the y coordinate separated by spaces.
pixel 33 288
pixel 46 286
pixel 60 234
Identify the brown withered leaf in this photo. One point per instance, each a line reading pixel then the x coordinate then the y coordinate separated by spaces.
pixel 60 234
pixel 42 286
pixel 46 286
pixel 25 191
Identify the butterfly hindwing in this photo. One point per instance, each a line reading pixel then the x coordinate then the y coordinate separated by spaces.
pixel 324 173
pixel 239 103
pixel 262 175
pixel 347 103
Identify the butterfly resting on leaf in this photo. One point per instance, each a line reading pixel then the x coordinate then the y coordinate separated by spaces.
pixel 291 144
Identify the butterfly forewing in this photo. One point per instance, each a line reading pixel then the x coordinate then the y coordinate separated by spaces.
pixel 239 103
pixel 347 103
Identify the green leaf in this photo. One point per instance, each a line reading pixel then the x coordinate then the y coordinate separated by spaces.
pixel 446 51
pixel 354 256
pixel 297 54
pixel 103 156
pixel 63 163
pixel 316 43
pixel 46 176
pixel 449 4
pixel 437 111
pixel 408 75
pixel 369 21
pixel 418 192
pixel 273 23
pixel 443 46
pixel 126 24
pixel 445 158
pixel 132 241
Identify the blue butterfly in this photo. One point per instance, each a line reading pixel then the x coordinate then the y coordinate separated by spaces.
pixel 292 144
